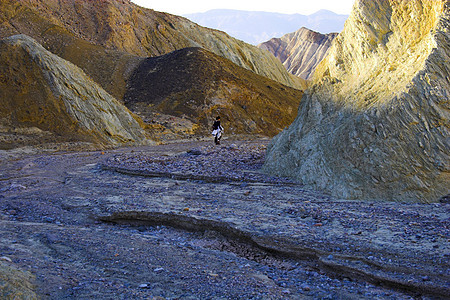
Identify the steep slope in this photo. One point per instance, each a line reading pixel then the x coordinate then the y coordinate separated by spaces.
pixel 196 85
pixel 255 27
pixel 123 26
pixel 375 123
pixel 109 68
pixel 47 99
pixel 300 51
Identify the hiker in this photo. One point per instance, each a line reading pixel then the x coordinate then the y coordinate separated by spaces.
pixel 217 131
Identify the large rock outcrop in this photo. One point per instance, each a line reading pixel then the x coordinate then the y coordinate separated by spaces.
pixel 194 85
pixel 42 91
pixel 375 123
pixel 123 26
pixel 300 51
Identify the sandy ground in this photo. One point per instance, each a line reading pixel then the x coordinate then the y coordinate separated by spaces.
pixel 159 221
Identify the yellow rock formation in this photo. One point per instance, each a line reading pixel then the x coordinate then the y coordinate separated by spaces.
pixel 375 122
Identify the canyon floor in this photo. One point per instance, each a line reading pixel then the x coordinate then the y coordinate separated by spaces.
pixel 193 220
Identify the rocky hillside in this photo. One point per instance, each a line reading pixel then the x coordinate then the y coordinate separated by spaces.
pixel 193 85
pixel 300 51
pixel 47 99
pixel 110 39
pixel 123 26
pixel 375 123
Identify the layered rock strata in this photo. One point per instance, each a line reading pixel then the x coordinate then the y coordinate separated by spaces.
pixel 40 90
pixel 375 122
pixel 300 51
pixel 123 26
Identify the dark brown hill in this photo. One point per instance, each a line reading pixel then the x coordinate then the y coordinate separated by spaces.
pixel 197 85
pixel 123 26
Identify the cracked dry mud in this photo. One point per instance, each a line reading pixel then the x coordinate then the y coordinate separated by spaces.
pixel 143 223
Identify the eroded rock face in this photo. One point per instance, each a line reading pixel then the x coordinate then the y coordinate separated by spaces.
pixel 15 283
pixel 124 26
pixel 300 51
pixel 375 123
pixel 40 90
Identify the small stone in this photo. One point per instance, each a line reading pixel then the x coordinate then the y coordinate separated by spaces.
pixel 194 152
pixel 5 258
pixel 144 286
pixel 306 287
pixel 157 270
pixel 49 219
pixel 186 209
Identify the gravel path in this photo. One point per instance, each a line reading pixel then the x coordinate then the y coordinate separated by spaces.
pixel 206 163
pixel 87 227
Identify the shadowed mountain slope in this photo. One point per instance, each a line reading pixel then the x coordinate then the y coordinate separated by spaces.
pixel 375 122
pixel 300 51
pixel 47 99
pixel 123 26
pixel 196 85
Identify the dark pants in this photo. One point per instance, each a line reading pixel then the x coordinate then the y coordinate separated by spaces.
pixel 217 138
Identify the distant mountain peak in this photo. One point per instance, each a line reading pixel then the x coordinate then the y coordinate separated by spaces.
pixel 300 51
pixel 255 27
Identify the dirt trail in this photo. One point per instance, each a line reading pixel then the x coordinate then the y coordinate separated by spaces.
pixel 86 231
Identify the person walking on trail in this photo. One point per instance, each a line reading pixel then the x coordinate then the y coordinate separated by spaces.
pixel 217 131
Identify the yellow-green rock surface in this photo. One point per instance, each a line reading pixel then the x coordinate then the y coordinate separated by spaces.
pixel 40 90
pixel 15 283
pixel 375 122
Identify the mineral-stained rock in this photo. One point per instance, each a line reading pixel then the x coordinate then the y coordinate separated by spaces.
pixel 197 85
pixel 300 51
pixel 124 26
pixel 375 122
pixel 40 90
pixel 15 283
